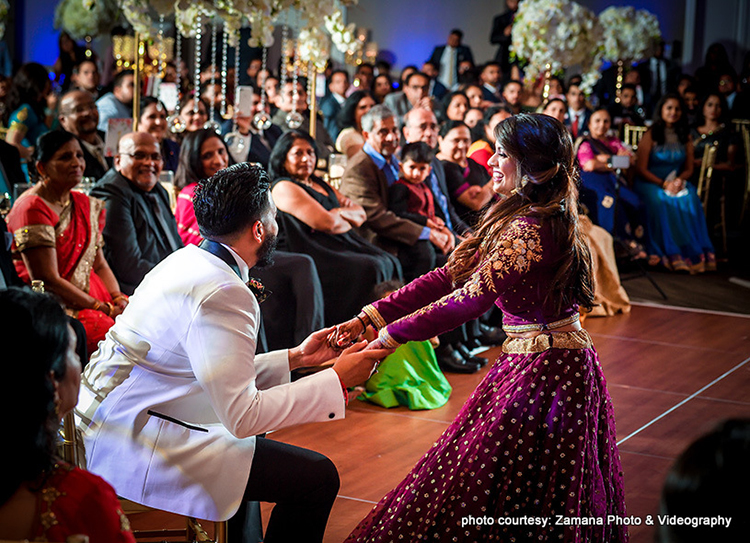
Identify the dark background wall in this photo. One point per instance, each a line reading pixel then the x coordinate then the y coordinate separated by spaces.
pixel 411 28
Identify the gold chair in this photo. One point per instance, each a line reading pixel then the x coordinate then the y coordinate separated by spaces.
pixel 706 173
pixel 73 453
pixel 704 189
pixel 632 135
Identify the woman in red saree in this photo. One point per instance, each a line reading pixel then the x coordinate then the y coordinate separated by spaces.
pixel 58 240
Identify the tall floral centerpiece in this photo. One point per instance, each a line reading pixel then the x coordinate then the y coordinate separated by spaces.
pixel 629 36
pixel 87 18
pixel 551 35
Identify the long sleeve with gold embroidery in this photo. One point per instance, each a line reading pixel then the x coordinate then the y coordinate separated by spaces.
pixel 500 278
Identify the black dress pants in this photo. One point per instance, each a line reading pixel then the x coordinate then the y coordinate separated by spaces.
pixel 302 483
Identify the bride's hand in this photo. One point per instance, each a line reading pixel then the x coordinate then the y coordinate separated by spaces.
pixel 347 332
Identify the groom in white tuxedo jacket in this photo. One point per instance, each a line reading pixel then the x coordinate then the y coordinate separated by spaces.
pixel 172 401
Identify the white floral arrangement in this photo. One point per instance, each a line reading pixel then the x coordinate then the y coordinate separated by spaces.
pixel 629 35
pixel 342 35
pixel 86 18
pixel 558 34
pixel 4 9
pixel 313 45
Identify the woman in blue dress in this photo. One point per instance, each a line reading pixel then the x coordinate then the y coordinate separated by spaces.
pixel 678 236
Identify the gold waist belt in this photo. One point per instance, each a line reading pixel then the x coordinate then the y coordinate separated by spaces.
pixel 541 327
pixel 561 340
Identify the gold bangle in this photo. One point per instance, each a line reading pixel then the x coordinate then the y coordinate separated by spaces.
pixel 97 305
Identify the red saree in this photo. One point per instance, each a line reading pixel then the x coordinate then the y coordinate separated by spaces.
pixel 72 502
pixel 76 235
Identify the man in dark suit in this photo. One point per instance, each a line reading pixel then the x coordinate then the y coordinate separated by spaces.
pixel 659 75
pixel 501 34
pixel 448 57
pixel 331 103
pixel 491 77
pixel 577 119
pixel 141 230
pixel 437 89
pixel 79 116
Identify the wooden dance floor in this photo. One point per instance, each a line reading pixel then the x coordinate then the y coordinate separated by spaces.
pixel 673 375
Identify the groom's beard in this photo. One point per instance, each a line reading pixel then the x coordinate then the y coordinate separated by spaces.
pixel 266 250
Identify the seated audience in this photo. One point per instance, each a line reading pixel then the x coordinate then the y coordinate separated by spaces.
pixel 29 98
pixel 437 89
pixel 713 128
pixel 415 93
pixel 455 104
pixel 611 204
pixel 491 76
pixel 296 308
pixel 579 113
pixel 555 107
pixel 368 175
pixel 473 117
pixel 42 498
pixel 409 197
pixel 254 145
pixel 153 120
pixel 475 95
pixel 79 116
pixel 677 233
pixel 140 230
pixel 382 87
pixel 468 182
pixel 364 75
pixel 117 104
pixel 627 112
pixel 692 103
pixel 483 146
pixel 513 95
pixel 332 102
pixel 349 119
pixel 287 104
pixel 193 115
pixel 86 77
pixel 318 220
pixel 58 238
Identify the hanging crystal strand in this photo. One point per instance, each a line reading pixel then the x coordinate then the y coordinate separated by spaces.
pixel 211 124
pixel 176 126
pixel 262 119
pixel 197 71
pixel 162 55
pixel 236 80
pixel 294 119
pixel 284 55
pixel 234 140
pixel 223 109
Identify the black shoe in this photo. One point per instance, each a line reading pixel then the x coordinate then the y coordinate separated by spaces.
pixel 490 335
pixel 472 343
pixel 451 360
pixel 466 353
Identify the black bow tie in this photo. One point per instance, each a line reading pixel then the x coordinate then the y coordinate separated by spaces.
pixel 257 288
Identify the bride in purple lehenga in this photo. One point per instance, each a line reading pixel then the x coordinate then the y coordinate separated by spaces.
pixel 532 454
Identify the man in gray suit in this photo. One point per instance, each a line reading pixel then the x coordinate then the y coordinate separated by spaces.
pixel 416 93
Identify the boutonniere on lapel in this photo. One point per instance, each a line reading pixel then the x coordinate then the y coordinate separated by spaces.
pixel 257 288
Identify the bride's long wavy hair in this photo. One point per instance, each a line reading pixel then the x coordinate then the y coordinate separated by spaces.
pixel 546 181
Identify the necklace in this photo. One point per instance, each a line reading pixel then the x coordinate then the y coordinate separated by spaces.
pixel 61 201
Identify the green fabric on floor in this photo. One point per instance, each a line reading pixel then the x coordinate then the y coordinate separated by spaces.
pixel 409 377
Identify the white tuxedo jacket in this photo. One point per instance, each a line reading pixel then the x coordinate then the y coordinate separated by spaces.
pixel 172 400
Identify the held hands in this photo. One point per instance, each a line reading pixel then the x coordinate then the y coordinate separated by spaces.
pixel 347 333
pixel 442 239
pixel 313 351
pixel 357 363
pixel 438 223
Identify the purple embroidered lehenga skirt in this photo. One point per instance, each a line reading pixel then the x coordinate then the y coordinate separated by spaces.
pixel 531 456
